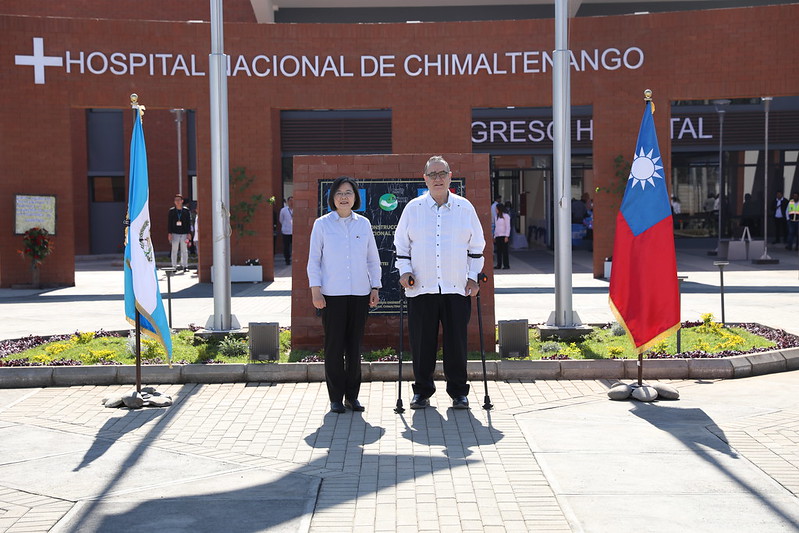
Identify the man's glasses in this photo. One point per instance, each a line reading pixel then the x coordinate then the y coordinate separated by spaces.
pixel 440 175
pixel 344 194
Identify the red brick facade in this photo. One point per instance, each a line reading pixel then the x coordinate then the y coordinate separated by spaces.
pixel 729 53
pixel 381 331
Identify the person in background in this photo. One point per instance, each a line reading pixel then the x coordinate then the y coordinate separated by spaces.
pixel 502 237
pixel 780 205
pixel 287 227
pixel 195 231
pixel 439 241
pixel 497 201
pixel 792 214
pixel 578 210
pixel 344 276
pixel 179 224
pixel 751 215
pixel 676 206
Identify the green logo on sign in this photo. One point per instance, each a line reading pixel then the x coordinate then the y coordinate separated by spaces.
pixel 388 202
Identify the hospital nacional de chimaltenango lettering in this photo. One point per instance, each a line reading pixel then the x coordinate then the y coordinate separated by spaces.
pixel 505 63
pixel 262 65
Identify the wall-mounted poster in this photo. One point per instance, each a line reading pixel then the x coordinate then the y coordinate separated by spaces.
pixel 382 202
pixel 34 211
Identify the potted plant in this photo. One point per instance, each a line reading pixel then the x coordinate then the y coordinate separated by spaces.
pixel 37 245
pixel 242 212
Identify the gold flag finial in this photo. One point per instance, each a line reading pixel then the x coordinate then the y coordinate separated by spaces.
pixel 134 103
pixel 648 98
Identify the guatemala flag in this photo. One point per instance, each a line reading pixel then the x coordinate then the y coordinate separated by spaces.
pixel 644 289
pixel 141 282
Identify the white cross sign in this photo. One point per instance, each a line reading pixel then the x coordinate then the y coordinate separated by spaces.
pixel 38 60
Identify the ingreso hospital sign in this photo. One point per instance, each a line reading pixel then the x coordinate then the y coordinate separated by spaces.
pixel 168 64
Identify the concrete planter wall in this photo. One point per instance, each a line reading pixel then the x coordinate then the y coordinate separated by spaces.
pixel 738 366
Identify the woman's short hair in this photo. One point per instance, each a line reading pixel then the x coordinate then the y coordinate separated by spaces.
pixel 337 183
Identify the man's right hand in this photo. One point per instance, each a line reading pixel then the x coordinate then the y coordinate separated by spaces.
pixel 169 237
pixel 405 280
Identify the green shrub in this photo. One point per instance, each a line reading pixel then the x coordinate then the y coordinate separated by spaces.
pixel 231 346
pixel 550 347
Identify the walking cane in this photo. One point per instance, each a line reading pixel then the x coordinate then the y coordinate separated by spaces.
pixel 482 278
pixel 399 409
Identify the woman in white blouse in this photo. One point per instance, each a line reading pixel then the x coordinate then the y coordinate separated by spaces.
pixel 502 236
pixel 344 276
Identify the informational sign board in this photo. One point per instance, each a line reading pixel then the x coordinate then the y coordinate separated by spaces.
pixel 34 211
pixel 382 202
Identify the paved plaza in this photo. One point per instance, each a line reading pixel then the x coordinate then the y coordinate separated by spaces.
pixel 551 455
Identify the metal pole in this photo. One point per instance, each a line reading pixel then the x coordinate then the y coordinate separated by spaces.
pixel 720 110
pixel 564 314
pixel 220 180
pixel 169 271
pixel 721 172
pixel 721 265
pixel 178 120
pixel 680 279
pixel 765 256
pixel 138 352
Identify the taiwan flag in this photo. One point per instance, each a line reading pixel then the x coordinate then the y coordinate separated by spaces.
pixel 644 289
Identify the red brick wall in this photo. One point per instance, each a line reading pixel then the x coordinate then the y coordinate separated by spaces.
pixel 728 53
pixel 234 10
pixel 381 331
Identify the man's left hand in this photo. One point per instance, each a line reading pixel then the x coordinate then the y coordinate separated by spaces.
pixel 472 288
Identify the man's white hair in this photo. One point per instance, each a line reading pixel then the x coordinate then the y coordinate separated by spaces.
pixel 436 159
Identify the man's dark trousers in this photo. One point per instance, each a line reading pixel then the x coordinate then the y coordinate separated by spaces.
pixel 425 312
pixel 287 241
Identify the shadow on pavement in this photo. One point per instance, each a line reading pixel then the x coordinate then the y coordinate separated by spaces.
pixel 683 424
pixel 457 433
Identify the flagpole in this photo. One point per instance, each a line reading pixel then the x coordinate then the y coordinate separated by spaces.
pixel 137 109
pixel 220 181
pixel 563 321
pixel 138 351
pixel 562 168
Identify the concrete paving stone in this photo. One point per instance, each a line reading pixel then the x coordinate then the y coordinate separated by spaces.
pixel 791 358
pixel 268 372
pixel 710 368
pixel 767 363
pixel 702 512
pixel 657 369
pixel 19 377
pixel 591 369
pixel 520 370
pixel 198 373
pixel 316 372
pixel 454 528
pixel 65 376
pixel 741 366
pixel 150 374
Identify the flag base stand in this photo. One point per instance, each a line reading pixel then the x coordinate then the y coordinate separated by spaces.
pixel 571 332
pixel 234 324
pixel 645 392
pixel 148 397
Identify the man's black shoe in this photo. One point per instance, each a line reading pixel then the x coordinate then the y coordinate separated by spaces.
pixel 337 407
pixel 460 402
pixel 418 402
pixel 355 405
